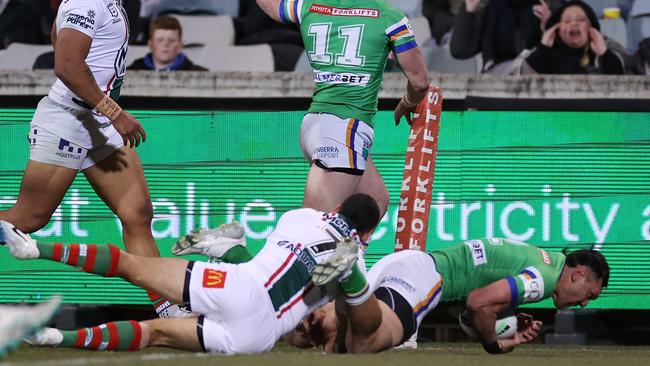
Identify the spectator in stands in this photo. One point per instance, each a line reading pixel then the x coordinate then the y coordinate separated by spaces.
pixel 166 47
pixel 641 59
pixel 573 44
pixel 25 21
pixel 501 31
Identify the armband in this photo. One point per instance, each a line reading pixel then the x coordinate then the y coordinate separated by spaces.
pixel 108 107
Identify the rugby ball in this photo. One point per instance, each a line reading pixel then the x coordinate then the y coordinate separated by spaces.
pixel 505 327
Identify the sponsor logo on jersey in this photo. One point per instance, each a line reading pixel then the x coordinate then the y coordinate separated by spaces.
pixel 341 78
pixel 303 256
pixel 84 21
pixel 344 12
pixel 545 258
pixel 533 284
pixel 213 278
pixel 477 250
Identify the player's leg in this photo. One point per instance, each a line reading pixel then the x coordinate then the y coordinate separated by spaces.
pixel 119 181
pixel 161 275
pixel 20 321
pixel 373 185
pixel 41 191
pixel 129 335
pixel 326 189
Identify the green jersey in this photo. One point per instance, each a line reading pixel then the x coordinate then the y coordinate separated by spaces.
pixel 531 272
pixel 347 43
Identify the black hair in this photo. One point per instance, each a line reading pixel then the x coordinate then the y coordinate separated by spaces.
pixel 361 211
pixel 592 259
pixel 589 11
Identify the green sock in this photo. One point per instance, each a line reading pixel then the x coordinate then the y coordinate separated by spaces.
pixel 235 255
pixel 91 258
pixel 118 336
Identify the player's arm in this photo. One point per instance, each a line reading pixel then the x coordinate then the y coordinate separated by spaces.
pixel 483 305
pixel 70 67
pixel 415 70
pixel 271 8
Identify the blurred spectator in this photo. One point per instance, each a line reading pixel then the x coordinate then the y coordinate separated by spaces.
pixel 166 47
pixel 25 21
pixel 255 27
pixel 440 14
pixel 501 31
pixel 625 6
pixel 641 59
pixel 573 44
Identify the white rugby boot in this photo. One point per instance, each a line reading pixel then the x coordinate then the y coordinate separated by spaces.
pixel 21 321
pixel 339 265
pixel 213 243
pixel 46 337
pixel 21 245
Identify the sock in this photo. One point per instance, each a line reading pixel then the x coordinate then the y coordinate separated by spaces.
pixel 355 286
pixel 235 255
pixel 91 258
pixel 159 303
pixel 113 336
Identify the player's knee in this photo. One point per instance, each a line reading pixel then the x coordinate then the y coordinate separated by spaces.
pixel 32 222
pixel 135 215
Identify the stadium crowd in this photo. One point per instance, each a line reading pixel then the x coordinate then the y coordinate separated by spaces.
pixel 503 37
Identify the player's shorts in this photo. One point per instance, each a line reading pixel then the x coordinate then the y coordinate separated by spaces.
pixel 412 274
pixel 237 314
pixel 335 143
pixel 71 138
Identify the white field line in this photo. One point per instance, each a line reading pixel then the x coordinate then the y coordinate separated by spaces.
pixel 114 359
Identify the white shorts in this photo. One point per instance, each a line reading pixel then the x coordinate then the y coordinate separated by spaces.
pixel 413 274
pixel 71 138
pixel 237 314
pixel 334 142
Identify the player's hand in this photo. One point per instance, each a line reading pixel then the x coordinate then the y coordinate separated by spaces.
pixel 130 129
pixel 597 42
pixel 543 12
pixel 527 328
pixel 403 110
pixel 548 38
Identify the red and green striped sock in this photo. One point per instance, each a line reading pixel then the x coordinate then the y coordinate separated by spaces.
pixel 113 336
pixel 159 303
pixel 92 258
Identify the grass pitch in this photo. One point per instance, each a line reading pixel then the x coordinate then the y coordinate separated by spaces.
pixel 443 354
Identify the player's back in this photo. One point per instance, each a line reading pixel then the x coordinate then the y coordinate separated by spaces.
pixel 301 239
pixel 477 263
pixel 347 43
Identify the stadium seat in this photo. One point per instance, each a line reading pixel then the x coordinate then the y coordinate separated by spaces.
pixel 303 65
pixel 421 29
pixel 614 29
pixel 218 7
pixel 21 56
pixel 134 53
pixel 439 59
pixel 599 5
pixel 412 8
pixel 233 58
pixel 207 29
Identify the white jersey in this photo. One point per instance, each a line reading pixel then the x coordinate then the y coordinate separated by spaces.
pixel 106 23
pixel 302 239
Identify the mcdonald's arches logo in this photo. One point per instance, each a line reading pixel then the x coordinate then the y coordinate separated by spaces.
pixel 213 278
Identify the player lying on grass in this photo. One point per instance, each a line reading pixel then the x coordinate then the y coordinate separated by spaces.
pixel 490 275
pixel 244 308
